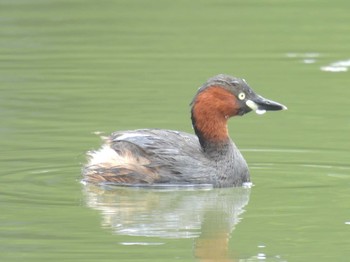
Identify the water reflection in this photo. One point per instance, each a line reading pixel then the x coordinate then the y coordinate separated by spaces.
pixel 338 66
pixel 208 215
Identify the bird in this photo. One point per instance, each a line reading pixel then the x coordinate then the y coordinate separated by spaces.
pixel 160 157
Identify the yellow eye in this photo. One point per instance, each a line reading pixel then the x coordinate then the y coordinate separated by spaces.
pixel 241 96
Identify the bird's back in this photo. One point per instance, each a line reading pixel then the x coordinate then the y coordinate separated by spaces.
pixel 149 156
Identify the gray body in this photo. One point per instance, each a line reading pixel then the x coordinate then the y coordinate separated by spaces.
pixel 173 158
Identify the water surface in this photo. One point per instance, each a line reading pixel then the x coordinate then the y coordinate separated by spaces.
pixel 70 69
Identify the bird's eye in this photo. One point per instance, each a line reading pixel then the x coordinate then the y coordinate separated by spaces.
pixel 241 96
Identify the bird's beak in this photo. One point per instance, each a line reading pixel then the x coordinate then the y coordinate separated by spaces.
pixel 260 105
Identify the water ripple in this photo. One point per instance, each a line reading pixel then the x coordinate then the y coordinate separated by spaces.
pixel 338 66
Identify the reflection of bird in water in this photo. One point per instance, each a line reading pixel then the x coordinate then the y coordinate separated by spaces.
pixel 207 216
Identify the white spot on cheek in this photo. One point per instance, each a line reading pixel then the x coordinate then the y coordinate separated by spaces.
pixel 253 106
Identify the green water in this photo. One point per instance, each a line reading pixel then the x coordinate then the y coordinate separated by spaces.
pixel 69 69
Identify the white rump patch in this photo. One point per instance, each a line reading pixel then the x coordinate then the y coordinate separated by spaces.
pixel 107 157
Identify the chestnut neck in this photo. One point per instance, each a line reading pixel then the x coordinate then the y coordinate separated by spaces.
pixel 211 110
pixel 212 134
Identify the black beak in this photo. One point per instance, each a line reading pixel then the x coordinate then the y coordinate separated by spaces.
pixel 268 105
pixel 260 105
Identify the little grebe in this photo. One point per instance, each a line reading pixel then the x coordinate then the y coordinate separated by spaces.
pixel 164 157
